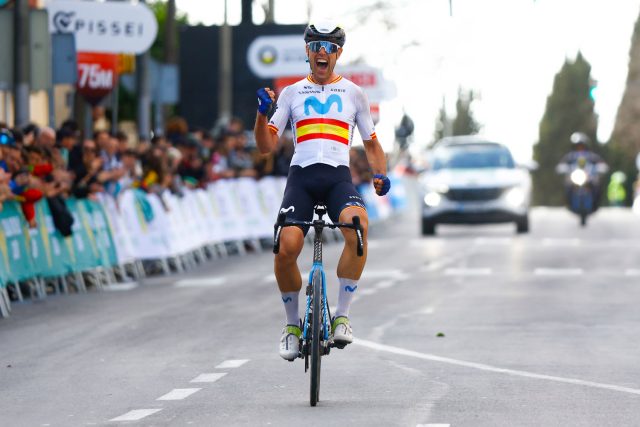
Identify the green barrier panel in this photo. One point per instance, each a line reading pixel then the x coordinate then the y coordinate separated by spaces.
pixel 81 244
pixel 103 236
pixel 16 259
pixel 56 261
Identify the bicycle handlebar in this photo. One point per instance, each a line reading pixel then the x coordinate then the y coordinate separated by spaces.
pixel 282 222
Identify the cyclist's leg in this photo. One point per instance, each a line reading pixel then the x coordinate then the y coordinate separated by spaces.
pixel 351 265
pixel 297 204
pixel 345 203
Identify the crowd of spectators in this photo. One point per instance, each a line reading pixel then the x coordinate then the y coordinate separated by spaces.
pixel 42 163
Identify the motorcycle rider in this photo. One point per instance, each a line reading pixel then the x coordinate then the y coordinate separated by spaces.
pixel 580 155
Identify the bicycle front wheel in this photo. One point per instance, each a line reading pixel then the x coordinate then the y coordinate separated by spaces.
pixel 316 337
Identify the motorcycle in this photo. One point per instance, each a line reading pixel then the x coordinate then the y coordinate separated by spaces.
pixel 582 183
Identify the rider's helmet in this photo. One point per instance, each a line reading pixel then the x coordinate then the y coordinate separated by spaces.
pixel 580 140
pixel 325 31
pixel 6 138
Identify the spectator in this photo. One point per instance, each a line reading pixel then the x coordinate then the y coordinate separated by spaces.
pixel 101 137
pixel 112 169
pixel 240 159
pixel 176 129
pixel 67 138
pixel 191 166
pixel 87 174
pixel 46 138
pixel 123 142
pixel 30 132
pixel 5 190
pixel 218 165
pixel 18 137
pixel 26 194
pixel 131 168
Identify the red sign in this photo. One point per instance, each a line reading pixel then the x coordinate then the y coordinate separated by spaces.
pixel 97 75
pixel 362 79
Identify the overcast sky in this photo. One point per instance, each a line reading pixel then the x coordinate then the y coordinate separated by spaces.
pixel 508 51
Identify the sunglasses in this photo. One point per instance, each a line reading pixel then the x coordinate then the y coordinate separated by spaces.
pixel 328 46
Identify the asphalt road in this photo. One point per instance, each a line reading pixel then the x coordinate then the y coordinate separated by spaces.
pixel 539 330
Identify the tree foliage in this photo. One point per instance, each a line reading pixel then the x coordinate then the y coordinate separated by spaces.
pixel 624 143
pixel 442 123
pixel 569 109
pixel 159 9
pixel 464 122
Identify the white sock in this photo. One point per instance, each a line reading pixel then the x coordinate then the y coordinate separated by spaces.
pixel 290 300
pixel 345 296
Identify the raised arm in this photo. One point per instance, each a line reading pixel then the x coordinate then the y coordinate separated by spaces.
pixel 266 138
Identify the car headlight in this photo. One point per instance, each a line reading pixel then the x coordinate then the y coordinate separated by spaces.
pixel 578 177
pixel 432 199
pixel 515 196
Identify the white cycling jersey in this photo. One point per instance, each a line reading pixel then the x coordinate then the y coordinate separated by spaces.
pixel 323 118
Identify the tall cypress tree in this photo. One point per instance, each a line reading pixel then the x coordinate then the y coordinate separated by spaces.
pixel 442 123
pixel 569 109
pixel 464 123
pixel 624 144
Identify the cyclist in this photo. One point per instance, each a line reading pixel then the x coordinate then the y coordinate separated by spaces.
pixel 324 108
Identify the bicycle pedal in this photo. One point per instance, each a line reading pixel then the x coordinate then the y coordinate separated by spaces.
pixel 340 345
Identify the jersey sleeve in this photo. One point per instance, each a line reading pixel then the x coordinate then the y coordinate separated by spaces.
pixel 363 116
pixel 278 121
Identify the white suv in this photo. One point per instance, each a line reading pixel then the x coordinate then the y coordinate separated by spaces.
pixel 472 181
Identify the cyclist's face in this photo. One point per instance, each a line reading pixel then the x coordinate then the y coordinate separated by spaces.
pixel 322 63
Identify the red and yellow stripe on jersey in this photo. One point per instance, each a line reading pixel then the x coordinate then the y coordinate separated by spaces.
pixel 321 128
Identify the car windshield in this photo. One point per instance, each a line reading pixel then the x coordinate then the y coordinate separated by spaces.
pixel 473 157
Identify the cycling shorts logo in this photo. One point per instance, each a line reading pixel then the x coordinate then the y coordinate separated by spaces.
pixel 267 55
pixel 322 108
pixel 354 204
pixel 289 209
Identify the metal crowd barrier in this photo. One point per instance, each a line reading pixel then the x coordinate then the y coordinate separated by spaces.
pixel 123 239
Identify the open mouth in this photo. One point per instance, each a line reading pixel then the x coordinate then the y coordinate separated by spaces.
pixel 322 64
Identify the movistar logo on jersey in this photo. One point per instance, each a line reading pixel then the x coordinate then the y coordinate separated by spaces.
pixel 322 108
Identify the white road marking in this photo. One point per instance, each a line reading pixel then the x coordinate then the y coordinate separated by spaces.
pixel 433 425
pixel 468 272
pixel 493 241
pixel 207 282
pixel 561 242
pixel 208 378
pixel 444 261
pixel 126 286
pixel 489 368
pixel 135 415
pixel 558 271
pixel 384 284
pixel 179 393
pixel 632 272
pixel 384 274
pixel 232 363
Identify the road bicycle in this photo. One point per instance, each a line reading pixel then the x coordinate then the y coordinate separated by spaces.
pixel 316 341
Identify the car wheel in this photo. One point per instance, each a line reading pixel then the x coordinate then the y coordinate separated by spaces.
pixel 428 227
pixel 522 225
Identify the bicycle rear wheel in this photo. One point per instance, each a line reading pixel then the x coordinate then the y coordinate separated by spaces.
pixel 316 337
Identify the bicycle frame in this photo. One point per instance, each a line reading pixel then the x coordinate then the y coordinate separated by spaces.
pixel 317 265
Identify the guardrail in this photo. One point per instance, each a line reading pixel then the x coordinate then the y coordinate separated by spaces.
pixel 112 238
